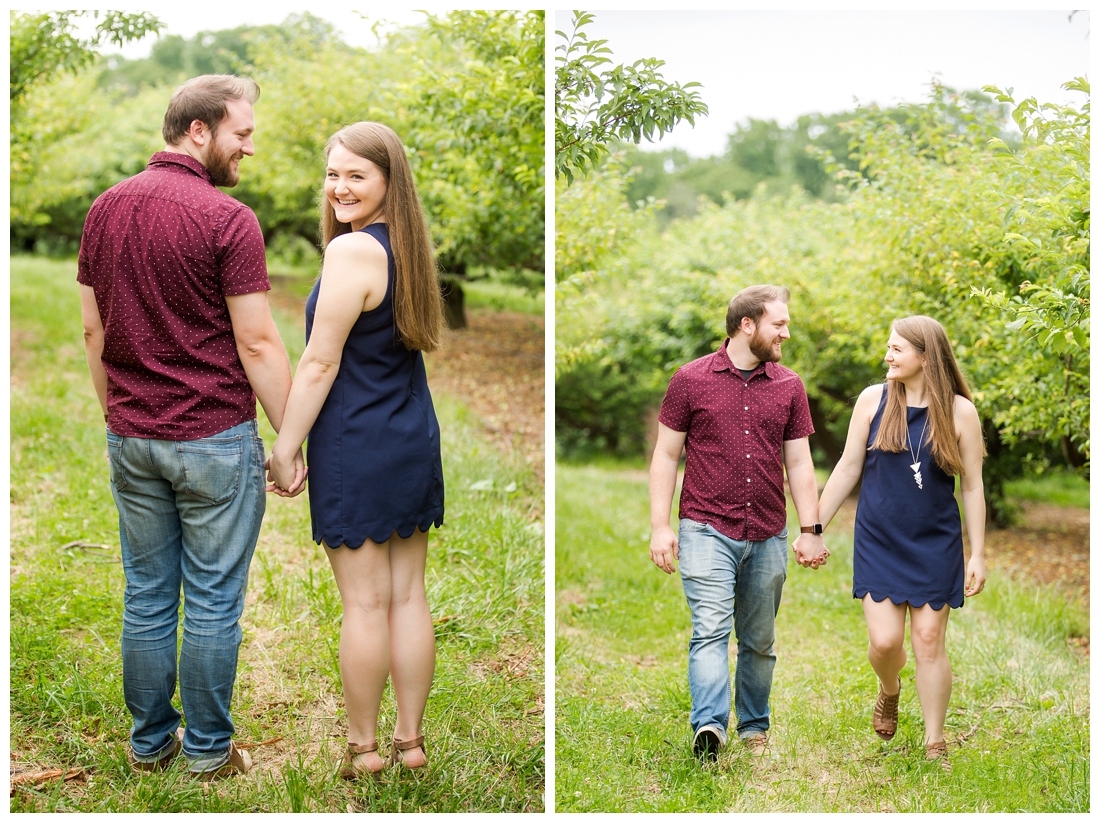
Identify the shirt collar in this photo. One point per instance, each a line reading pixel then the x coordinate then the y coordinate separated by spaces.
pixel 722 362
pixel 165 158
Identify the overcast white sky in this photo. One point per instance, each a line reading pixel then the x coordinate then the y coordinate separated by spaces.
pixel 781 64
pixel 189 21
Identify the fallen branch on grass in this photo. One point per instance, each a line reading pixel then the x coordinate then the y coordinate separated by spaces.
pixel 38 778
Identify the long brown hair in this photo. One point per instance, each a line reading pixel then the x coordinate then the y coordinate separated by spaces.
pixel 942 379
pixel 417 300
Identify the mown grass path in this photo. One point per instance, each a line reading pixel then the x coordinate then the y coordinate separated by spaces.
pixel 1017 726
pixel 484 724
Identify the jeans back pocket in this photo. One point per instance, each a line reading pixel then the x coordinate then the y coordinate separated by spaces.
pixel 211 467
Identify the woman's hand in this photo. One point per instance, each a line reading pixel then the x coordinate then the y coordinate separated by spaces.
pixel 287 476
pixel 975 576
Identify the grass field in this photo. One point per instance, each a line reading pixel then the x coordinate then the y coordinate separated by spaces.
pixel 484 724
pixel 1017 726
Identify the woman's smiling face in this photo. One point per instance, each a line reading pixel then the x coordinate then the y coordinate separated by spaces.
pixel 902 357
pixel 354 187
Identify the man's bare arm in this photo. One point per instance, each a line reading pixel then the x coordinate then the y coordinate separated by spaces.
pixel 809 548
pixel 663 545
pixel 93 343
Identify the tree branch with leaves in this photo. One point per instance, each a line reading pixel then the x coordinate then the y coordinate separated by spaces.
pixel 597 103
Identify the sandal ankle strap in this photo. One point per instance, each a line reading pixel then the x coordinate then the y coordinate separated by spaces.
pixel 362 748
pixel 404 745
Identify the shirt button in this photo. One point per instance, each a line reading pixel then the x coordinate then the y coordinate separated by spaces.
pixel 746 432
pixel 746 408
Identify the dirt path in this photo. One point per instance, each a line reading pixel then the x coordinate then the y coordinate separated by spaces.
pixel 496 367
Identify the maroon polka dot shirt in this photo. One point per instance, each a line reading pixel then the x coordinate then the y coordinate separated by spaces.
pixel 735 429
pixel 162 250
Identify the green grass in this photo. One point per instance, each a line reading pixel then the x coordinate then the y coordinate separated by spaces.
pixel 1058 488
pixel 493 295
pixel 1018 722
pixel 484 726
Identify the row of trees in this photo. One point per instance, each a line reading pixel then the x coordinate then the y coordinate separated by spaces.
pixel 464 90
pixel 939 216
pixel 762 155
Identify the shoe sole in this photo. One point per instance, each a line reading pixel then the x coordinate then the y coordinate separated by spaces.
pixel 706 746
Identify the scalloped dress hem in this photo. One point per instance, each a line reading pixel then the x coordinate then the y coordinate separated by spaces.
pixel 900 600
pixel 403 530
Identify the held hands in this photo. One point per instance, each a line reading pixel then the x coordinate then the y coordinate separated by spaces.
pixel 664 548
pixel 810 551
pixel 975 576
pixel 287 477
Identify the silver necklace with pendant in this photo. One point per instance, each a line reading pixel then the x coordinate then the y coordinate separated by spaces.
pixel 915 466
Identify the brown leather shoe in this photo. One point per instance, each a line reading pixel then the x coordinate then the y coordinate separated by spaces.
pixel 885 716
pixel 938 751
pixel 349 771
pixel 163 761
pixel 239 763
pixel 757 744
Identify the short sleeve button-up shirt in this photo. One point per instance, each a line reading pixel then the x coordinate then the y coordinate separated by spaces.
pixel 735 431
pixel 162 250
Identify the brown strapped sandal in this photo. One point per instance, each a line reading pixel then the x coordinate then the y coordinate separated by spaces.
pixel 399 746
pixel 885 716
pixel 938 751
pixel 349 771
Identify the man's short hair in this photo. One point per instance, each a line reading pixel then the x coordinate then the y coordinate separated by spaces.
pixel 203 98
pixel 750 303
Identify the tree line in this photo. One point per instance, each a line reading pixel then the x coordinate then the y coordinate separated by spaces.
pixel 464 90
pixel 936 213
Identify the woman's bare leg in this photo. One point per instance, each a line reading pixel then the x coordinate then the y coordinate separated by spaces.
pixel 928 633
pixel 886 635
pixel 412 639
pixel 363 577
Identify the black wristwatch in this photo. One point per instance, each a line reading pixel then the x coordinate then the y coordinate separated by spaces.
pixel 816 528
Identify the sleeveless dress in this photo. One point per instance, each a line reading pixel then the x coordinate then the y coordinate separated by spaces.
pixel 908 540
pixel 373 453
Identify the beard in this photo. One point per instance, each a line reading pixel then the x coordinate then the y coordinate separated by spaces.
pixel 219 164
pixel 763 350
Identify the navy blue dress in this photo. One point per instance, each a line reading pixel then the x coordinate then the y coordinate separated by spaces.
pixel 373 454
pixel 908 540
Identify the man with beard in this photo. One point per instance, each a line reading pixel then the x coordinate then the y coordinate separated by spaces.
pixel 741 418
pixel 180 343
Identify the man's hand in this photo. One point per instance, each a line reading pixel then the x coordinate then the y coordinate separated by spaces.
pixel 664 548
pixel 810 551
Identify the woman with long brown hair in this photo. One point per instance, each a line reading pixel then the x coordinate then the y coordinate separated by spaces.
pixel 361 395
pixel 909 438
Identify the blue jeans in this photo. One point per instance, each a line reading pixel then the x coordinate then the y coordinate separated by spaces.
pixel 731 584
pixel 189 513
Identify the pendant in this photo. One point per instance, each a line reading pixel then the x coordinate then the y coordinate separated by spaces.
pixel 916 475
